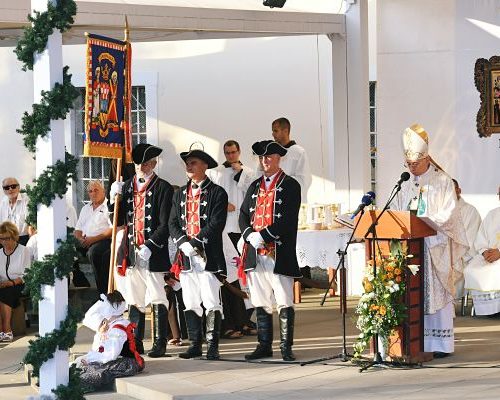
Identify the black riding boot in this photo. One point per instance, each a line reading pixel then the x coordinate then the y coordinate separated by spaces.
pixel 214 320
pixel 287 320
pixel 193 322
pixel 138 318
pixel 160 331
pixel 264 336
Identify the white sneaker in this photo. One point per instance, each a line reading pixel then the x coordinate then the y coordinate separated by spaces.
pixel 8 337
pixel 2 335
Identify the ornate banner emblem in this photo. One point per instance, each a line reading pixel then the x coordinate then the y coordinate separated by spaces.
pixel 107 99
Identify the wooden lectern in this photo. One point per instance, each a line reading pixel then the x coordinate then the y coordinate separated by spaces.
pixel 407 343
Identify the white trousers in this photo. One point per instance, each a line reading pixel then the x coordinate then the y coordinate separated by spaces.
pixel 143 287
pixel 200 286
pixel 268 288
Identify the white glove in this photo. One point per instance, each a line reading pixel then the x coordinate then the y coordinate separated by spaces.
pixel 240 245
pixel 188 249
pixel 255 239
pixel 144 252
pixel 116 188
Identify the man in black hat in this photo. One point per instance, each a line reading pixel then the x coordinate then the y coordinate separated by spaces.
pixel 268 222
pixel 197 219
pixel 143 254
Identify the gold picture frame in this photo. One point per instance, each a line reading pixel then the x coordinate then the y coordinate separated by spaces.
pixel 487 80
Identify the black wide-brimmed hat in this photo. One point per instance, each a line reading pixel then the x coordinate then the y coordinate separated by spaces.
pixel 196 153
pixel 144 152
pixel 268 147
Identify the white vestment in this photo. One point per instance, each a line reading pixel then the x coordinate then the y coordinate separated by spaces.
pixel 482 277
pixel 432 195
pixel 471 220
pixel 236 190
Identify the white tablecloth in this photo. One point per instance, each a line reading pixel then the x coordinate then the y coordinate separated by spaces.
pixel 319 248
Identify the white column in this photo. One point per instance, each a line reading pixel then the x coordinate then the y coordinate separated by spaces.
pixel 51 220
pixel 351 107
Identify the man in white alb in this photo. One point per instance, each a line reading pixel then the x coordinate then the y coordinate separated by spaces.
pixel 482 275
pixel 471 220
pixel 295 163
pixel 430 193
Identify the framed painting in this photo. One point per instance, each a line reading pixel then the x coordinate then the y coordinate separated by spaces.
pixel 487 80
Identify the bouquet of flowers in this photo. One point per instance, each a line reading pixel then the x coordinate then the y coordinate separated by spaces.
pixel 380 308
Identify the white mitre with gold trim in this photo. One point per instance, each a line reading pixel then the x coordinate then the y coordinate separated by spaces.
pixel 415 143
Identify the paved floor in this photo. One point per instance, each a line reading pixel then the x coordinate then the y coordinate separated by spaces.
pixel 473 372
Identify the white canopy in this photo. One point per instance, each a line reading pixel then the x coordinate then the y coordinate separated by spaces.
pixel 159 20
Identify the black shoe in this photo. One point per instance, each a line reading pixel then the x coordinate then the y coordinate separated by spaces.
pixel 260 352
pixel 80 280
pixel 192 352
pixel 159 348
pixel 287 354
pixel 440 354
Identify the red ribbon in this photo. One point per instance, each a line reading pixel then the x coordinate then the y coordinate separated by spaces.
pixel 177 267
pixel 241 265
pixel 129 330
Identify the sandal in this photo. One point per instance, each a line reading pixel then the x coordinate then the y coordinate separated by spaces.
pixel 248 331
pixel 175 342
pixel 232 334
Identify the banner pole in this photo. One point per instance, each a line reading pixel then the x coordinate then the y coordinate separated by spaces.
pixel 112 258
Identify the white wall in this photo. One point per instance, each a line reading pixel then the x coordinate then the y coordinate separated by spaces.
pixel 16 89
pixel 425 73
pixel 214 90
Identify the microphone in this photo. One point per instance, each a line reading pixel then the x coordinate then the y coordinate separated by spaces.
pixel 404 177
pixel 365 201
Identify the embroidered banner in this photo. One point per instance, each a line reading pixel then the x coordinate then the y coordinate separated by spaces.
pixel 107 99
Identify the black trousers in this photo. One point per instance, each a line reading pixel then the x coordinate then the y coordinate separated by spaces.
pixel 98 255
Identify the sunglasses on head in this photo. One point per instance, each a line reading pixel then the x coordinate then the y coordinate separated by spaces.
pixel 14 186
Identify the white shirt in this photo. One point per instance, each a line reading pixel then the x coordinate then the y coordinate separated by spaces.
pixel 296 164
pixel 93 222
pixel 13 266
pixel 17 214
pixel 224 176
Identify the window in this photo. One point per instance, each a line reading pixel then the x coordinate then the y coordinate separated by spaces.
pixel 373 136
pixel 95 168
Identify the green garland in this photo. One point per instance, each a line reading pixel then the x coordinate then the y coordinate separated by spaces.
pixel 42 25
pixel 53 182
pixel 55 104
pixel 45 272
pixel 43 349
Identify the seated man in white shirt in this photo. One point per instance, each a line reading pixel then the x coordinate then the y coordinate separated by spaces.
pixel 482 275
pixel 93 231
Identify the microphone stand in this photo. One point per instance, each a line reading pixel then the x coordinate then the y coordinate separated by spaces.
pixel 344 355
pixel 377 358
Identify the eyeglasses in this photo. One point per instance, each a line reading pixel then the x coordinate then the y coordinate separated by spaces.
pixel 14 186
pixel 412 164
pixel 5 238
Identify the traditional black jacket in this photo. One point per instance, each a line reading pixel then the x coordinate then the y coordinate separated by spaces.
pixel 158 203
pixel 213 214
pixel 283 230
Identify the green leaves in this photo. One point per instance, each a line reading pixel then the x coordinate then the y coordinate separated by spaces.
pixel 55 104
pixel 42 25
